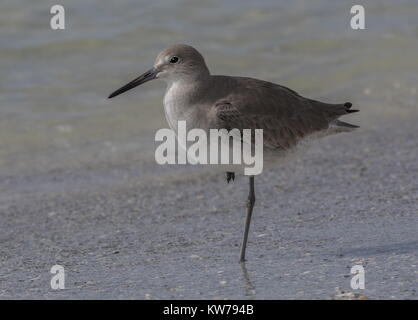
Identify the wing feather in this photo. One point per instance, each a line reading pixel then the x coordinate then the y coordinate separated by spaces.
pixel 283 114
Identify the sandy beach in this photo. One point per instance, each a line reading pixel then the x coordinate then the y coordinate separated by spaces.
pixel 123 233
pixel 79 186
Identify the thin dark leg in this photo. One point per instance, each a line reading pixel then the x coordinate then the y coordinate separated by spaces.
pixel 250 206
pixel 230 176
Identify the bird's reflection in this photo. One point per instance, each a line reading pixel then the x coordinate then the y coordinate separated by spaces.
pixel 249 287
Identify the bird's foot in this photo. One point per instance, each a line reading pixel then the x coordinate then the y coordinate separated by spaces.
pixel 230 176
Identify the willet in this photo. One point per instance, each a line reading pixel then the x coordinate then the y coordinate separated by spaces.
pixel 214 102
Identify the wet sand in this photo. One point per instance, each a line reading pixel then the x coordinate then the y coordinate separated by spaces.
pixel 125 232
pixel 79 185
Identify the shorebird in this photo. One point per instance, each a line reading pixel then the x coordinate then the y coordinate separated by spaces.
pixel 226 102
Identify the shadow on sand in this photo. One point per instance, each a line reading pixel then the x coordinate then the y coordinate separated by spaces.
pixel 400 247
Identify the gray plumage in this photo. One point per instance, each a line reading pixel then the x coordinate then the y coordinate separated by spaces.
pixel 284 115
pixel 208 101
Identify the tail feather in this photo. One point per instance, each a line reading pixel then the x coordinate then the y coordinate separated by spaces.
pixel 344 124
pixel 347 106
pixel 335 111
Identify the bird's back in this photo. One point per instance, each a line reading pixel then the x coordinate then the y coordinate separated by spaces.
pixel 283 114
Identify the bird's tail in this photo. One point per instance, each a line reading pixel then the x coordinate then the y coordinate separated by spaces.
pixel 340 126
pixel 343 126
pixel 348 106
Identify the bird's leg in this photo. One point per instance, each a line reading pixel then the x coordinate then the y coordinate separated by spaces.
pixel 250 206
pixel 230 176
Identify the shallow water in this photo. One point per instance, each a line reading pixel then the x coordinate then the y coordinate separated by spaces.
pixel 53 107
pixel 79 185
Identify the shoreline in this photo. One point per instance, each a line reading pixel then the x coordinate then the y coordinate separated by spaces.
pixel 131 232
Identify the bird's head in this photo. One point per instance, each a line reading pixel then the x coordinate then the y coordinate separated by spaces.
pixel 180 62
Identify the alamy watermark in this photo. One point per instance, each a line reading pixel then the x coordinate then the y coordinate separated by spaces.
pixel 358 281
pixel 58 280
pixel 358 21
pixel 215 147
pixel 57 21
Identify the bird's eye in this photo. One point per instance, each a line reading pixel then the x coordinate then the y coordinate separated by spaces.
pixel 174 59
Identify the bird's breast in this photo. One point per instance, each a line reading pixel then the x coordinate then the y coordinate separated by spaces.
pixel 178 107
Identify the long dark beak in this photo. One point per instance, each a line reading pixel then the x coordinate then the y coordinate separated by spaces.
pixel 147 76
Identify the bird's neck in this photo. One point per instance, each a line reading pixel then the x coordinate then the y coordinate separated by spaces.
pixel 186 92
pixel 182 98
